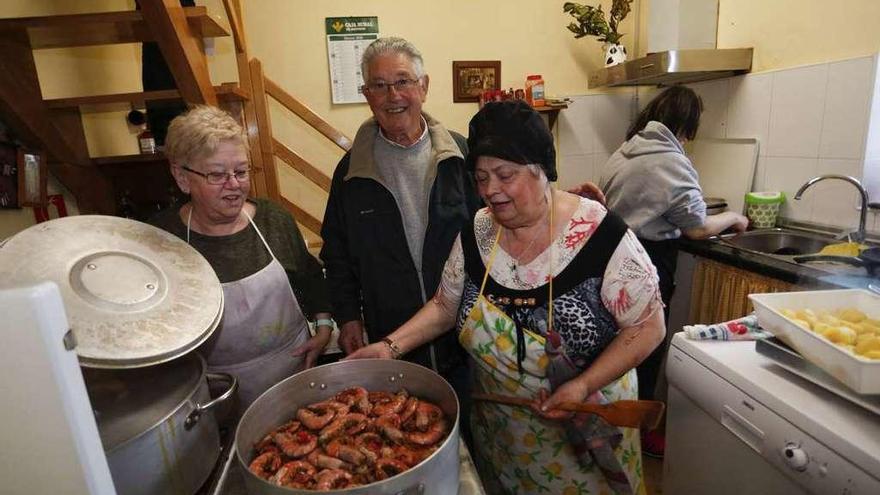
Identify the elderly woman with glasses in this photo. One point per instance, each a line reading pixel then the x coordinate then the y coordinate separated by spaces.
pixel 555 300
pixel 270 281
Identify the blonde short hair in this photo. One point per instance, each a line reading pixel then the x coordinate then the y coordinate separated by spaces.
pixel 197 133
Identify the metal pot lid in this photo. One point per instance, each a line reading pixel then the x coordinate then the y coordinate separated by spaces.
pixel 135 295
pixel 130 402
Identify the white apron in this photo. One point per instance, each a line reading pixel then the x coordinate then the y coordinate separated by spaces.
pixel 262 323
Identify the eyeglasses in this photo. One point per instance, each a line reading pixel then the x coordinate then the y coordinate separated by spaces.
pixel 381 87
pixel 218 178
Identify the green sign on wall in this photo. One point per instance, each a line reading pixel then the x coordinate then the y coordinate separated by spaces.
pixel 347 38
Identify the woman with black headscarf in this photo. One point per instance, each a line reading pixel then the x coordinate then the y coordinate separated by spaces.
pixel 556 301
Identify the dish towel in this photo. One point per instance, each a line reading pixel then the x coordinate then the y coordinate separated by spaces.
pixel 745 328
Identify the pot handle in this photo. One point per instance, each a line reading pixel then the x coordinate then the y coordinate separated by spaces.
pixel 194 416
pixel 413 490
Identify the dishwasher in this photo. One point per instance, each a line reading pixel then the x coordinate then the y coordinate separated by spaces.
pixel 738 423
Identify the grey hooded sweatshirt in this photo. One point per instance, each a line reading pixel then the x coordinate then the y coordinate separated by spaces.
pixel 651 184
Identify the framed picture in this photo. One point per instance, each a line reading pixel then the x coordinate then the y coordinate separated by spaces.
pixel 32 171
pixel 470 78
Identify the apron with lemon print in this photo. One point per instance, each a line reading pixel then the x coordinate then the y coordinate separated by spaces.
pixel 519 452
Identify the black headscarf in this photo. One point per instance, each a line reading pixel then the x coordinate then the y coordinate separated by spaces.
pixel 513 131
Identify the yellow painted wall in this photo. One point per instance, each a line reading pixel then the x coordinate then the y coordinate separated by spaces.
pixel 527 36
pixel 799 32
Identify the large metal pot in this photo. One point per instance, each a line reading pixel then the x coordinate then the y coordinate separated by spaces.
pixel 157 425
pixel 438 474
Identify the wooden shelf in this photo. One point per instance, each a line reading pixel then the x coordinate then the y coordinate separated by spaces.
pixel 97 103
pixel 60 31
pixel 104 161
pixel 551 111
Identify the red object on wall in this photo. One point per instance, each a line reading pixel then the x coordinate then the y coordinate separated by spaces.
pixel 42 214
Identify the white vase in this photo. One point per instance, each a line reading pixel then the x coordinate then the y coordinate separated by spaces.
pixel 614 54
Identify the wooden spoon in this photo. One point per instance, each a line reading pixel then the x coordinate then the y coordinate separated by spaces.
pixel 630 413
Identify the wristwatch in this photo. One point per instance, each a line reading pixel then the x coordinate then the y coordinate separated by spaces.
pixel 395 349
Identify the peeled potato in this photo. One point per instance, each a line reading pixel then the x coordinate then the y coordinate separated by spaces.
pixel 864 346
pixel 850 315
pixel 872 354
pixel 840 335
pixel 849 328
pixel 801 323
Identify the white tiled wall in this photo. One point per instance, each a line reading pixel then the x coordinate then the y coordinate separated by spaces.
pixel 589 130
pixel 808 121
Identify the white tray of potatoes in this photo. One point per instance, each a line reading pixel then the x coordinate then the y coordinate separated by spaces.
pixel 837 330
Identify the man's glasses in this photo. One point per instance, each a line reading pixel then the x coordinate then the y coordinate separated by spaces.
pixel 381 87
pixel 218 178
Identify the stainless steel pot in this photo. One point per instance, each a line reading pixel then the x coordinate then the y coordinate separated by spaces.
pixel 438 474
pixel 157 425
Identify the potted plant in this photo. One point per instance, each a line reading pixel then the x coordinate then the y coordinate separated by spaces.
pixel 591 22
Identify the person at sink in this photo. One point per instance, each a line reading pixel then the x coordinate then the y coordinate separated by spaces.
pixel 270 281
pixel 651 183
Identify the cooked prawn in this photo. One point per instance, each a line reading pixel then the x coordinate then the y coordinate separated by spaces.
pixel 369 440
pixel 433 435
pixel 390 405
pixel 316 416
pixel 409 409
pixel 386 468
pixel 426 415
pixel 356 397
pixel 389 426
pixel 297 444
pixel 265 464
pixel 331 479
pixel 325 461
pixel 410 455
pixel 350 424
pixel 295 474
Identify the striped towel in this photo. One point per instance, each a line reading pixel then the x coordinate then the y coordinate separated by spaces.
pixel 745 328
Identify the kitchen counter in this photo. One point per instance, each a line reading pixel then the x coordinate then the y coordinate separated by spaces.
pixel 804 276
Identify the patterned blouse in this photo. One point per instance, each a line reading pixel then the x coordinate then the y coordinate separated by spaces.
pixel 629 288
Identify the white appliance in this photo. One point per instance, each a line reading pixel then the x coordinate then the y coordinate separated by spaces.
pixel 47 428
pixel 738 424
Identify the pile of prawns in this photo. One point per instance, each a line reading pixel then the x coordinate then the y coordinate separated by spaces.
pixel 355 438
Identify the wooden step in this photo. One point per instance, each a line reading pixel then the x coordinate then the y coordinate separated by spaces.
pixel 101 103
pixel 107 28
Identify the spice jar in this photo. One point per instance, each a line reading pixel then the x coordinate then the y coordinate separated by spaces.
pixel 535 90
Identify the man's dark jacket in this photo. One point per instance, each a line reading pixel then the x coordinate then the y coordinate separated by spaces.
pixel 366 255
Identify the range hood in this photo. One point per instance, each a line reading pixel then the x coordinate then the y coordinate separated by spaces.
pixel 675 67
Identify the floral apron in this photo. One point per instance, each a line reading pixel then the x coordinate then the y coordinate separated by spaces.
pixel 518 451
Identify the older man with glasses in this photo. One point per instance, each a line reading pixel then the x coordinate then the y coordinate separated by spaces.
pixel 270 281
pixel 397 201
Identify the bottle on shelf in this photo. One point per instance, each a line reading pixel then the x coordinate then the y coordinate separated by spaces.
pixel 146 141
pixel 535 90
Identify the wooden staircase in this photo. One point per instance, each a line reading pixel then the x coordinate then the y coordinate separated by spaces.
pixel 56 125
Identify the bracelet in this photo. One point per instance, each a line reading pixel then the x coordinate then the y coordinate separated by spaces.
pixel 324 322
pixel 395 349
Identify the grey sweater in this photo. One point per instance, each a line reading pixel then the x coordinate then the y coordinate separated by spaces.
pixel 651 184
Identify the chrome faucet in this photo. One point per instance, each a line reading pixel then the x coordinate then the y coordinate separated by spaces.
pixel 860 234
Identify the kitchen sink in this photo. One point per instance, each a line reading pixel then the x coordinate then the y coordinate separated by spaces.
pixel 779 242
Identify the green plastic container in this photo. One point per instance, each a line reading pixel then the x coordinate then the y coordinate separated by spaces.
pixel 762 208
